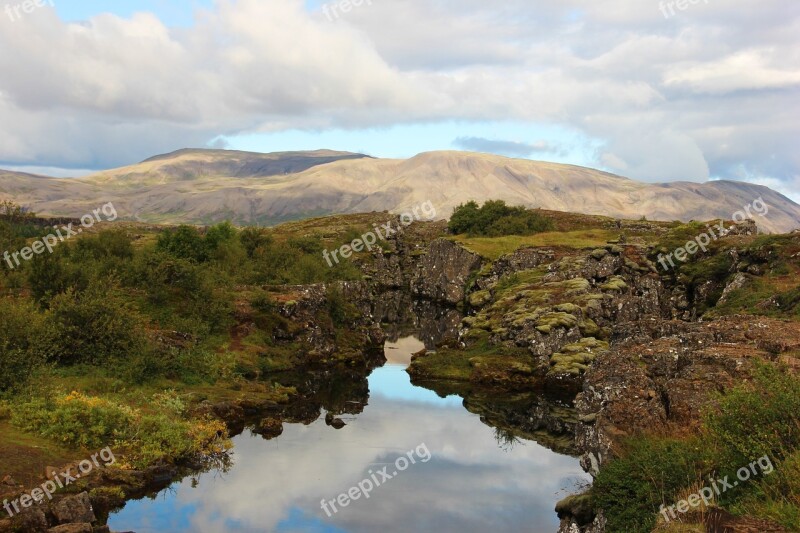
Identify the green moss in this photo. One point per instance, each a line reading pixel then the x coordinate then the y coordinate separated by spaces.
pixel 567 308
pixel 574 358
pixel 576 285
pixel 616 283
pixel 480 298
pixel 589 328
pixel 557 320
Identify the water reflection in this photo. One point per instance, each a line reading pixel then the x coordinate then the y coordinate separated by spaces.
pixel 475 482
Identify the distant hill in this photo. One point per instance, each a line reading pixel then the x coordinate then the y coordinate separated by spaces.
pixel 205 186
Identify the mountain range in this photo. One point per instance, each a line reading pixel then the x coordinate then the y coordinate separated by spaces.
pixel 199 186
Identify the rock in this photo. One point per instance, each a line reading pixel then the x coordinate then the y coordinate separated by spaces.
pixel 335 423
pixel 578 507
pixel 269 428
pixel 74 509
pixel 31 519
pixel 738 282
pixel 72 528
pixel 443 273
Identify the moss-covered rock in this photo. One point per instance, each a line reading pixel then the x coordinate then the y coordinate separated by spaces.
pixel 616 283
pixel 480 298
pixel 557 320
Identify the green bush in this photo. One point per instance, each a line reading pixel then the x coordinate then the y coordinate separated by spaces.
pixel 75 420
pixel 91 423
pixel 187 242
pixel 495 219
pixel 20 328
pixel 340 310
pixel 98 326
pixel 762 418
pixel 651 471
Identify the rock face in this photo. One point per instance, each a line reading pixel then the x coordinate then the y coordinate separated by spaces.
pixel 635 346
pixel 443 272
pixel 74 509
pixel 308 321
pixel 663 380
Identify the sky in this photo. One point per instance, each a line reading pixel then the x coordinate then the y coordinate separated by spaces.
pixel 641 88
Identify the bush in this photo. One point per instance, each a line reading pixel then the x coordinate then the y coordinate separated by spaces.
pixel 762 418
pixel 90 422
pixel 186 242
pixel 651 471
pixel 75 420
pixel 20 328
pixel 97 326
pixel 340 310
pixel 183 295
pixel 495 219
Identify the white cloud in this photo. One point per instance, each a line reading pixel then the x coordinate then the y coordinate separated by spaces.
pixel 694 96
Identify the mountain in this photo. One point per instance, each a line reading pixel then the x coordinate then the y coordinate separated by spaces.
pixel 205 186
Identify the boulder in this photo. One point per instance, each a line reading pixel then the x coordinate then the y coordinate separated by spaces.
pixel 74 509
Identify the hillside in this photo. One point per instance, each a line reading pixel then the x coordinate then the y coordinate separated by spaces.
pixel 205 186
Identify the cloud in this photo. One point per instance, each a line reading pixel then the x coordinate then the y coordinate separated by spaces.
pixel 308 463
pixel 508 148
pixel 710 90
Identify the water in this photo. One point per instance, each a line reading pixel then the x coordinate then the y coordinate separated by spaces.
pixel 473 481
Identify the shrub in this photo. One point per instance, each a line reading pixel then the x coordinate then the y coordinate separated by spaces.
pixel 757 419
pixel 340 310
pixel 652 471
pixel 495 219
pixel 254 238
pixel 20 328
pixel 97 326
pixel 91 422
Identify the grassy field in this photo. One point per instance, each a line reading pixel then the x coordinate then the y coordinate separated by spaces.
pixel 493 248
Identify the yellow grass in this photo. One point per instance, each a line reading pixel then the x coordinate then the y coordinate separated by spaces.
pixel 495 247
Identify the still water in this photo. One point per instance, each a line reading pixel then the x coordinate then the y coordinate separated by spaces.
pixel 474 481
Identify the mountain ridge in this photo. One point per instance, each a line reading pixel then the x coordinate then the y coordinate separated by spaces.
pixel 201 186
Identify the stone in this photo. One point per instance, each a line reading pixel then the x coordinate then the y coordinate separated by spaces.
pixel 74 509
pixel 269 428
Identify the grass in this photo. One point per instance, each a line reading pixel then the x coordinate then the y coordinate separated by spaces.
pixel 495 247
pixel 25 456
pixel 479 360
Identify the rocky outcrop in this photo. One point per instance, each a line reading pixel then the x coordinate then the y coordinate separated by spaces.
pixel 661 377
pixel 309 322
pixel 443 272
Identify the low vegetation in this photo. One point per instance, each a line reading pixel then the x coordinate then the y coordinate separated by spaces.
pixel 750 422
pixel 94 333
pixel 494 219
